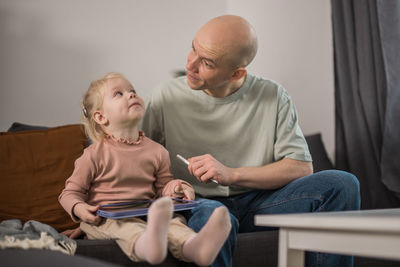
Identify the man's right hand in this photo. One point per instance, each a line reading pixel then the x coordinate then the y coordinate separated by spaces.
pixel 86 213
pixel 206 167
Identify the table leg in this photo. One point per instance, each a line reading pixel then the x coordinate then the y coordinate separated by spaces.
pixel 288 257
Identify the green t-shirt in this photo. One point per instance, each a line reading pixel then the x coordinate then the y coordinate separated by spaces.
pixel 254 126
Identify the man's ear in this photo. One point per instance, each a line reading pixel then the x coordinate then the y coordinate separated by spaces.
pixel 238 74
pixel 99 118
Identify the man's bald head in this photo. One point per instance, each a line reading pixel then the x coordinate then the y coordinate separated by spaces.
pixel 233 37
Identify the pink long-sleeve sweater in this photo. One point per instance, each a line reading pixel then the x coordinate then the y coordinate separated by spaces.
pixel 110 171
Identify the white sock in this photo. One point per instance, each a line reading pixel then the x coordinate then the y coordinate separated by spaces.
pixel 151 246
pixel 204 247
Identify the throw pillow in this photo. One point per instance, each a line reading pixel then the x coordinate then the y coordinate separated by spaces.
pixel 34 166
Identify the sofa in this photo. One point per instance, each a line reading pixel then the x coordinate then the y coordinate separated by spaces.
pixel 36 160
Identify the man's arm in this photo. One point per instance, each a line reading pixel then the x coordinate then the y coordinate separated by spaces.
pixel 270 176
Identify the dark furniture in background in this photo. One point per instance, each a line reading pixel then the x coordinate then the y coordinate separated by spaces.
pixel 253 249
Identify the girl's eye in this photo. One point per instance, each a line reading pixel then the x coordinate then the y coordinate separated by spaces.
pixel 133 91
pixel 117 93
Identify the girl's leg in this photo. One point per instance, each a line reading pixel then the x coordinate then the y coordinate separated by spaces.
pixel 151 246
pixel 203 247
pixel 199 216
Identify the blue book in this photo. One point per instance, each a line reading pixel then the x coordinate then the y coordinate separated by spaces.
pixel 136 208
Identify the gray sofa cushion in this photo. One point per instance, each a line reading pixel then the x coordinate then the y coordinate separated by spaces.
pixel 253 249
pixel 317 149
pixel 46 258
pixel 17 126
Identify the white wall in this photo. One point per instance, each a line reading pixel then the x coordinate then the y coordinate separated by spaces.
pixel 51 49
pixel 296 50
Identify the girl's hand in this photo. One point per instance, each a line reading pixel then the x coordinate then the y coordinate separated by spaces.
pixel 186 191
pixel 86 213
pixel 181 190
pixel 74 233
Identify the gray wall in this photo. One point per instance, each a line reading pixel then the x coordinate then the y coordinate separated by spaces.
pixel 51 49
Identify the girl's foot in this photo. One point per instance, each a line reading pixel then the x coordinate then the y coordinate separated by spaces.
pixel 204 247
pixel 151 246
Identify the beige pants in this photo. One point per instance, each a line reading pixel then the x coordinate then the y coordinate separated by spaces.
pixel 126 231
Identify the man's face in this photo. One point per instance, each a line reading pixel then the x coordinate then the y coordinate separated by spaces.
pixel 207 66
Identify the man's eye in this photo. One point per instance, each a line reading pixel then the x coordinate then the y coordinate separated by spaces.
pixel 208 65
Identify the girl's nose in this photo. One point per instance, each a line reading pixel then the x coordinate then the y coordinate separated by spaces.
pixel 132 94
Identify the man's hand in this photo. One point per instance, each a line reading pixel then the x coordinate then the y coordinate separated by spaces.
pixel 86 213
pixel 206 167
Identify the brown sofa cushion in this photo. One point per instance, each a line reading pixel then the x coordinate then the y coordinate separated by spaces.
pixel 34 166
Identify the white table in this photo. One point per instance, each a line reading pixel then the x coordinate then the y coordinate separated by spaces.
pixel 368 233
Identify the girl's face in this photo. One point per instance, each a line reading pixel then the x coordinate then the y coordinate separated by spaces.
pixel 121 104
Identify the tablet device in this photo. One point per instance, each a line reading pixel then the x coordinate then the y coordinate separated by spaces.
pixel 136 208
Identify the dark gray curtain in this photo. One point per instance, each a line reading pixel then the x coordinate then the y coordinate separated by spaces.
pixel 366 37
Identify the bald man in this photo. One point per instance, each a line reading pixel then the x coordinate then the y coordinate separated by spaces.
pixel 242 139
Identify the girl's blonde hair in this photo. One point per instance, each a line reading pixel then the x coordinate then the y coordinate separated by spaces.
pixel 92 101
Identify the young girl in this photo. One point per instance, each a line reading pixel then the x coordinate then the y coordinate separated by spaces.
pixel 121 165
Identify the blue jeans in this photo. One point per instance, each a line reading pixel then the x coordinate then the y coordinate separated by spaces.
pixel 330 190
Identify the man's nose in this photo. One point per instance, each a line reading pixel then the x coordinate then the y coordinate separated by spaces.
pixel 192 63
